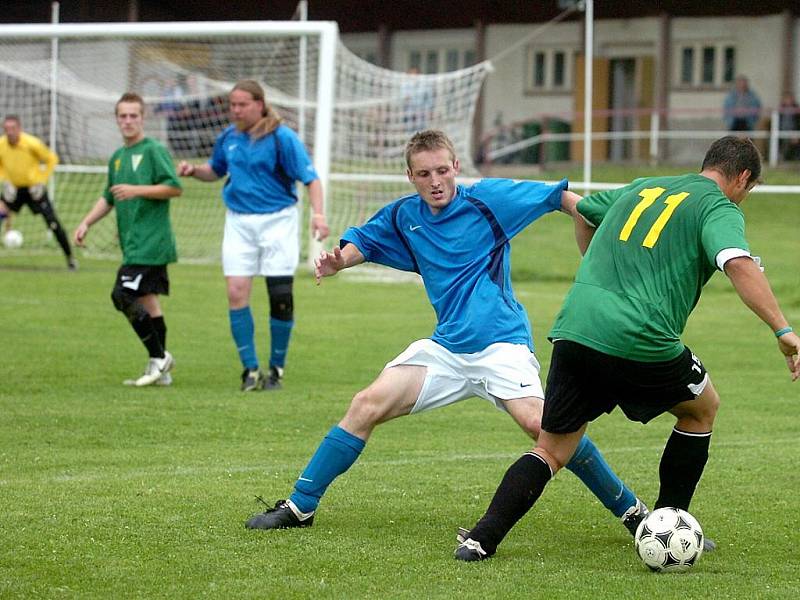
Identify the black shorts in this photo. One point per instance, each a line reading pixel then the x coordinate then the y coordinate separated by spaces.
pixel 583 383
pixel 38 207
pixel 141 280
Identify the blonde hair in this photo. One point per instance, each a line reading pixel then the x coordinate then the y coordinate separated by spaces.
pixel 430 139
pixel 270 119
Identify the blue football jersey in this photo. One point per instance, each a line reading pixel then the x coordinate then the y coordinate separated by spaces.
pixel 262 172
pixel 463 256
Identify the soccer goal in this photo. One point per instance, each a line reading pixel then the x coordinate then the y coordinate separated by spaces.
pixel 63 81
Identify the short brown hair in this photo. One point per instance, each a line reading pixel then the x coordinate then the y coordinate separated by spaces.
pixel 429 139
pixel 731 155
pixel 129 97
pixel 14 118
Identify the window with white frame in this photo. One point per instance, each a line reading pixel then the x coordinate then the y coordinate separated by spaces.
pixel 704 65
pixel 548 69
pixel 440 60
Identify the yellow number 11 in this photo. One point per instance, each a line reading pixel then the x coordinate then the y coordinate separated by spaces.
pixel 649 196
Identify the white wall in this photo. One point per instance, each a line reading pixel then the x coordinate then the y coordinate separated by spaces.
pixel 759 44
pixel 505 88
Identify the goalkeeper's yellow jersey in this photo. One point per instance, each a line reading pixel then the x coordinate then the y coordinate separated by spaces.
pixel 28 163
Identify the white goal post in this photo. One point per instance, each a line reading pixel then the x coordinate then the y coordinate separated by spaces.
pixel 63 80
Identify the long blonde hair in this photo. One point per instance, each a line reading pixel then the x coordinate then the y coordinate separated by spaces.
pixel 270 119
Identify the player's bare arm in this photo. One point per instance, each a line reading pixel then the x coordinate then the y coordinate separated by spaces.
pixel 319 225
pixel 202 172
pixel 583 231
pixel 125 191
pixel 99 210
pixel 330 263
pixel 754 290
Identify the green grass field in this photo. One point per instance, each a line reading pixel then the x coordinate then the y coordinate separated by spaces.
pixel 113 492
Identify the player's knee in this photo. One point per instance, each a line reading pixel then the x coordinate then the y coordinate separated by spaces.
pixel 532 425
pixel 281 298
pixel 126 303
pixel 527 412
pixel 698 414
pixel 365 408
pixel 550 459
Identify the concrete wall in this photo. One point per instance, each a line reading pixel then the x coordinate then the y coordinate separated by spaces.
pixel 758 42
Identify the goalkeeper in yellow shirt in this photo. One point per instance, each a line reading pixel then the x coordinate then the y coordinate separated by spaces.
pixel 25 166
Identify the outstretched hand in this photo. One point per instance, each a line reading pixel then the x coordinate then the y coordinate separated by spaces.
pixel 328 263
pixel 789 345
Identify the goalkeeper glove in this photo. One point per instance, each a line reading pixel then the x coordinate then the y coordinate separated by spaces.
pixel 37 191
pixel 9 192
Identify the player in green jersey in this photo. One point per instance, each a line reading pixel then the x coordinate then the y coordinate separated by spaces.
pixel 654 244
pixel 141 180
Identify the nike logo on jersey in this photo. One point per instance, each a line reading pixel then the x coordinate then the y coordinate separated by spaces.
pixel 136 159
pixel 522 385
pixel 131 284
pixel 414 227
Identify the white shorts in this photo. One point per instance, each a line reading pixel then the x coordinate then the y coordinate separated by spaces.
pixel 261 244
pixel 499 372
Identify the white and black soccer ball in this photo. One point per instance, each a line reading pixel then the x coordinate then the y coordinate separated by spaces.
pixel 669 540
pixel 12 239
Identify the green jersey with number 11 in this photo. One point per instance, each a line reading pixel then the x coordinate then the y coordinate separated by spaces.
pixel 655 247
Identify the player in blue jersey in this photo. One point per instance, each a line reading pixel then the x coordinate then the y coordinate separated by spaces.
pixel 457 239
pixel 262 159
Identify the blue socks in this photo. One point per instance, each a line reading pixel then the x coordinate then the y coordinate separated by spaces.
pixel 337 452
pixel 280 332
pixel 593 470
pixel 243 331
pixel 340 449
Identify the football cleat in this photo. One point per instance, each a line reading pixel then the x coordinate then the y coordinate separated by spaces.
pixel 283 515
pixel 252 380
pixel 156 368
pixel 273 380
pixel 709 545
pixel 634 515
pixel 470 550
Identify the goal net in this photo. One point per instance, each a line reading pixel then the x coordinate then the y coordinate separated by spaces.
pixel 63 81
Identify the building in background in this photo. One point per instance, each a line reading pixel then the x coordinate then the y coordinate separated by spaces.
pixel 668 60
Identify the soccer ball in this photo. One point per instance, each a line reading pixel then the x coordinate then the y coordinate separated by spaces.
pixel 12 239
pixel 669 540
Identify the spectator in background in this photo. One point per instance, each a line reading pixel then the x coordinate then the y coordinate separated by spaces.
pixel 417 101
pixel 789 120
pixel 742 106
pixel 200 128
pixel 174 108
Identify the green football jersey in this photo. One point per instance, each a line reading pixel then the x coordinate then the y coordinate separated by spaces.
pixel 145 230
pixel 654 249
